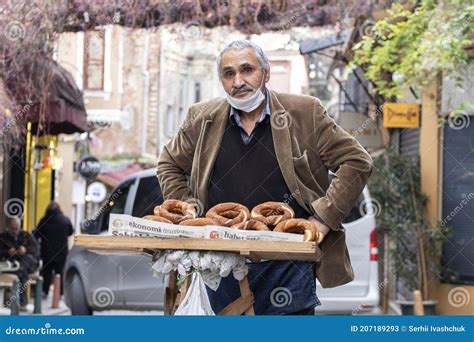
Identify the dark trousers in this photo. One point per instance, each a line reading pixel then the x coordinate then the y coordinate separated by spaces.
pixel 279 287
pixel 49 270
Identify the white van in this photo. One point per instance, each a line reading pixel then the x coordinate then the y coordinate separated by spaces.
pixel 361 294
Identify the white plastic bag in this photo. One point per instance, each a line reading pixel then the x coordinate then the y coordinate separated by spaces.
pixel 213 266
pixel 196 302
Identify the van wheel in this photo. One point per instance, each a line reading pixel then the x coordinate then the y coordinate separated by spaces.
pixel 78 300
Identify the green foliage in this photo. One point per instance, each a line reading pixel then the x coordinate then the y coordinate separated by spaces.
pixel 415 46
pixel 415 246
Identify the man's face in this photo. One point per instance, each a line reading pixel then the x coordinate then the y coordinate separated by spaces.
pixel 241 73
pixel 14 227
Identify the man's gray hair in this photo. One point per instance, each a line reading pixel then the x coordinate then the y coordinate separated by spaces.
pixel 245 44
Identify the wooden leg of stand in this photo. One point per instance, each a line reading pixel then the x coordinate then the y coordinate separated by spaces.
pixel 245 292
pixel 182 292
pixel 238 307
pixel 184 289
pixel 243 304
pixel 170 294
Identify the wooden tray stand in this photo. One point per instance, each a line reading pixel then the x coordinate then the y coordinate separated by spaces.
pixel 253 249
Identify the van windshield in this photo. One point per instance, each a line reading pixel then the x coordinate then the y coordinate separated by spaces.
pixel 116 202
pixel 148 197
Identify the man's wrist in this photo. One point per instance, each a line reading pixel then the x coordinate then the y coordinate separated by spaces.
pixel 322 228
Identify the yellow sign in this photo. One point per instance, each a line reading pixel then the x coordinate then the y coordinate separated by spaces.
pixel 401 115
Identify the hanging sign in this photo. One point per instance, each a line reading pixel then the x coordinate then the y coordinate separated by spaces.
pixel 88 167
pixel 401 115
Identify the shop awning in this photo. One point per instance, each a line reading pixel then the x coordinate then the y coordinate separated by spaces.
pixel 64 111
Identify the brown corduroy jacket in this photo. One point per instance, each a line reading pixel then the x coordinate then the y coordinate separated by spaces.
pixel 308 143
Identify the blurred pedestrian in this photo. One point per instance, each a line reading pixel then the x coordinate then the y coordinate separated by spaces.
pixel 52 232
pixel 18 245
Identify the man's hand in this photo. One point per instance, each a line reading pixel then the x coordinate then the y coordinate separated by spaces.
pixel 321 227
pixel 21 250
pixel 11 251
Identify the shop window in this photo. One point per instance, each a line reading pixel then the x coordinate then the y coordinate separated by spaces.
pixel 94 52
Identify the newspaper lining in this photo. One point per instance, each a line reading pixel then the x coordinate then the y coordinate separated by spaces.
pixel 126 225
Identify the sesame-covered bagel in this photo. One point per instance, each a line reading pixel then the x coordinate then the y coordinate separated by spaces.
pixel 299 226
pixel 272 213
pixel 254 225
pixel 229 214
pixel 199 221
pixel 176 211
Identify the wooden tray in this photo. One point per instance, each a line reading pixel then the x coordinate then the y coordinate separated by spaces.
pixel 253 249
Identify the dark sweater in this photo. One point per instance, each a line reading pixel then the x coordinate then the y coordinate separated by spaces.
pixel 250 175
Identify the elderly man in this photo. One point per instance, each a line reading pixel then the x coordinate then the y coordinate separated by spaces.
pixel 257 145
pixel 18 245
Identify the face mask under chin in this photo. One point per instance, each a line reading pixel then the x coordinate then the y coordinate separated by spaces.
pixel 250 103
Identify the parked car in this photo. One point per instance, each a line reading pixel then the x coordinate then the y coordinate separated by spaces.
pixel 95 282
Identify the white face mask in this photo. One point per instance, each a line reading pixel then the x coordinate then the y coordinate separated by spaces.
pixel 250 103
